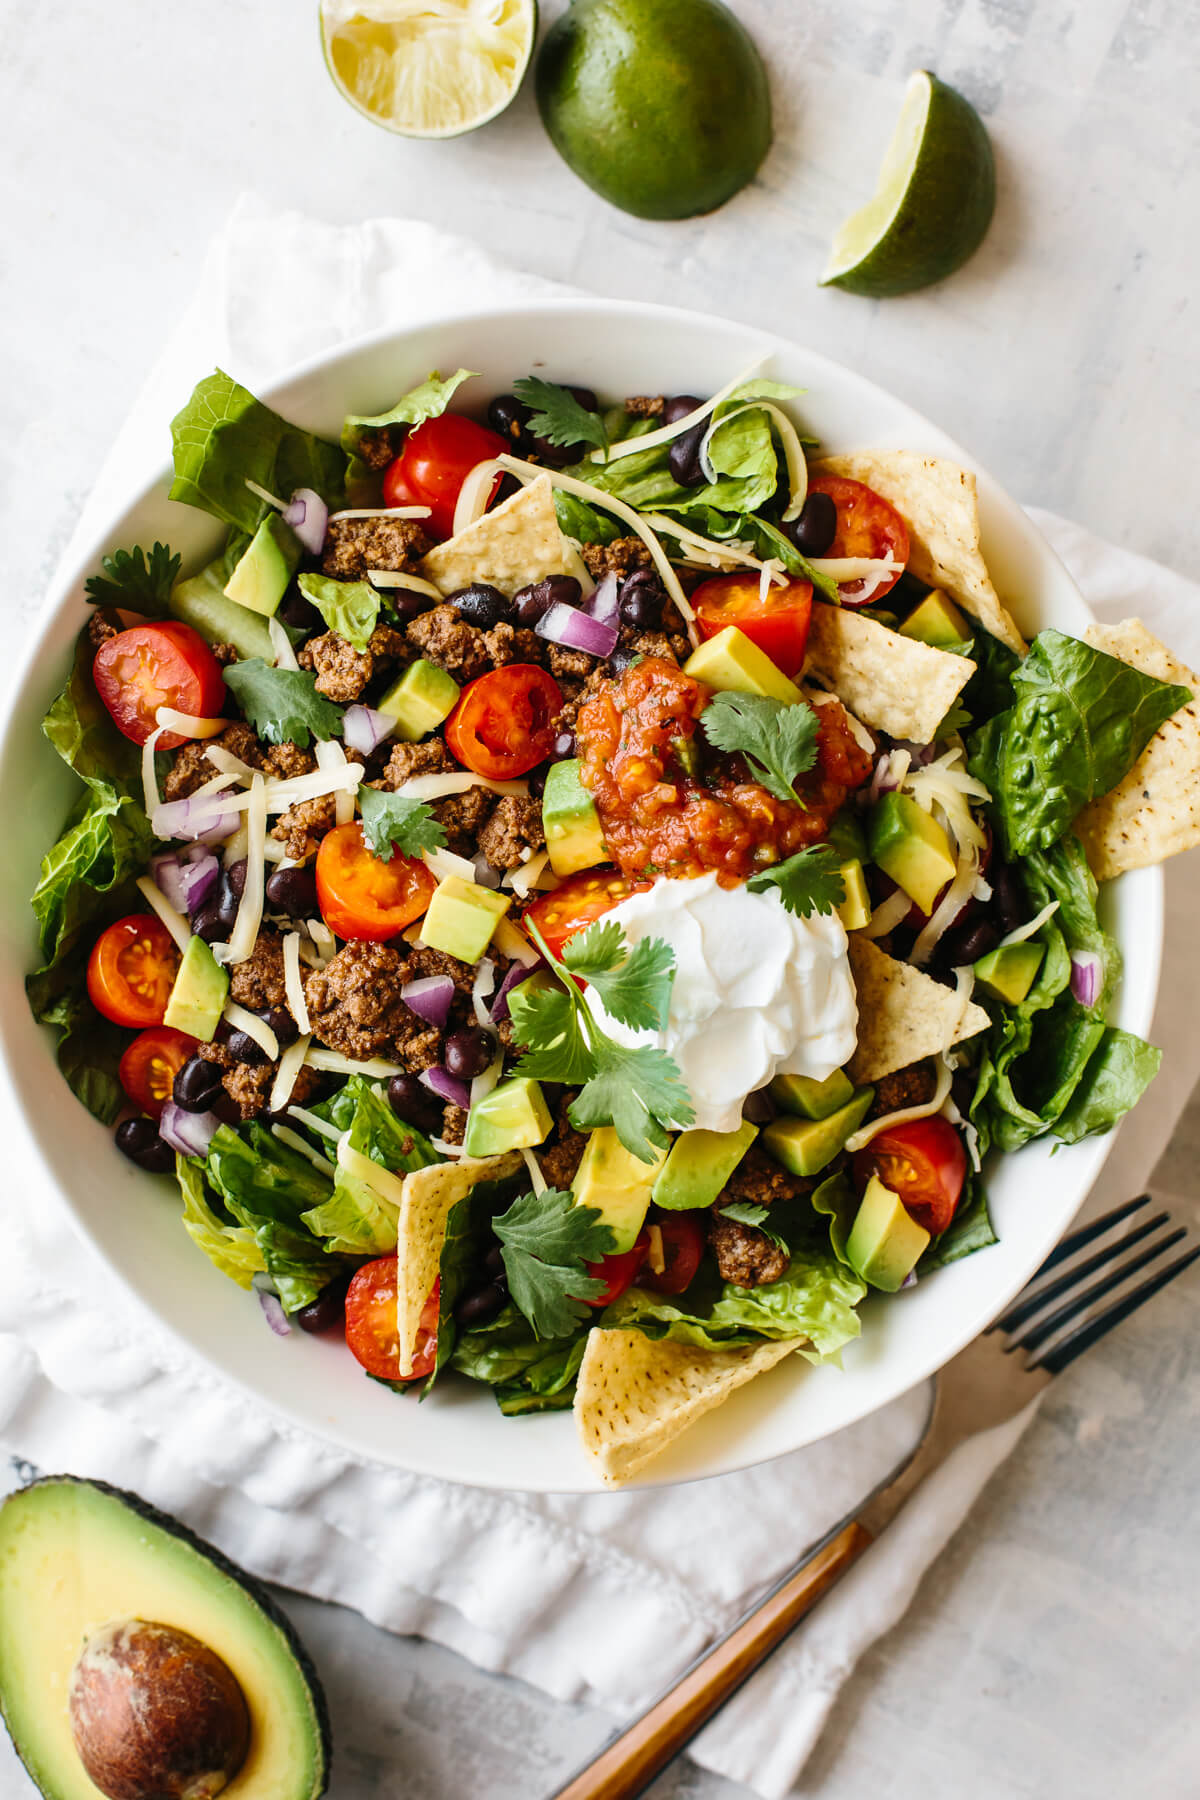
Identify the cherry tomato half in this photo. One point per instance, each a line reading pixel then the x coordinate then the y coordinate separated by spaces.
pixel 500 726
pixel 682 1247
pixel 149 666
pixel 436 459
pixel 924 1162
pixel 618 1271
pixel 131 971
pixel 777 621
pixel 362 897
pixel 867 526
pixel 372 1329
pixel 579 900
pixel 148 1068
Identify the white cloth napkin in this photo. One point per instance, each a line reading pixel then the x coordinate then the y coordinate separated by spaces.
pixel 602 1598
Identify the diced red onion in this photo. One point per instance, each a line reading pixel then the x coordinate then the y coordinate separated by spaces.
pixel 910 1280
pixel 186 878
pixel 429 996
pixel 515 976
pixel 758 1107
pixel 308 516
pixel 882 781
pixel 447 1087
pixel 576 630
pixel 188 1132
pixel 364 729
pixel 603 601
pixel 1087 977
pixel 273 1313
pixel 194 819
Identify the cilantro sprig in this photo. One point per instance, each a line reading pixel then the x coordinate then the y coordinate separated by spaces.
pixel 546 1241
pixel 390 823
pixel 777 740
pixel 558 416
pixel 138 582
pixel 282 705
pixel 637 1090
pixel 809 882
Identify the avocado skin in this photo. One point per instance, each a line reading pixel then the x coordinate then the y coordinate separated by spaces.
pixel 224 1565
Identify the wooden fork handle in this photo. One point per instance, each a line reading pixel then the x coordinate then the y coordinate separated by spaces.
pixel 630 1762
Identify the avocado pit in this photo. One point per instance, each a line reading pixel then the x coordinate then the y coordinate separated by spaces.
pixel 156 1714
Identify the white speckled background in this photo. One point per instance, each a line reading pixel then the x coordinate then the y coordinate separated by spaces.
pixel 1052 1653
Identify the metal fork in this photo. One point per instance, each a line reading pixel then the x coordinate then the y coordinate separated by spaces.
pixel 986 1384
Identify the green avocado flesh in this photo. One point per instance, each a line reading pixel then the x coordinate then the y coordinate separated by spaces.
pixel 885 1243
pixel 699 1165
pixel 617 1184
pixel 201 603
pixel 267 564
pixel 805 1146
pixel 77 1554
pixel 936 621
pixel 571 823
pixel 812 1099
pixel 198 996
pixel 911 847
pixel 514 1116
pixel 1010 970
pixel 422 697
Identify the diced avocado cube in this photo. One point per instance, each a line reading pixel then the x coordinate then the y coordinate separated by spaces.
pixel 809 1098
pixel 200 602
pixel 462 917
pixel 419 700
pixel 514 1116
pixel 617 1184
pixel 885 1242
pixel 855 909
pixel 570 821
pixel 1010 970
pixel 911 847
pixel 805 1146
pixel 847 836
pixel 936 621
pixel 267 564
pixel 699 1165
pixel 731 661
pixel 198 996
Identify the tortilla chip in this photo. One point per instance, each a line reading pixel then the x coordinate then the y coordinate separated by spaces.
pixel 889 681
pixel 1155 811
pixel 427 1200
pixel 903 1014
pixel 518 543
pixel 939 503
pixel 636 1394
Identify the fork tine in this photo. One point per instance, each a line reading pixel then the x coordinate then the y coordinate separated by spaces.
pixel 1089 1333
pixel 1087 1234
pixel 1033 1303
pixel 1078 1303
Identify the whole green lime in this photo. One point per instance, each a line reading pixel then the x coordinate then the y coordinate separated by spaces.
pixel 661 106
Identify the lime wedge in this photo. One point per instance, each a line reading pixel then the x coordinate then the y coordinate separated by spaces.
pixel 428 68
pixel 934 202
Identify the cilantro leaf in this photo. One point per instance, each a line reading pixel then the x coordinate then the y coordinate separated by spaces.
pixel 131 579
pixel 546 1021
pixel 558 416
pixel 745 1212
pixel 282 705
pixel 809 882
pixel 351 608
pixel 634 985
pixel 638 1092
pixel 778 741
pixel 390 823
pixel 546 1240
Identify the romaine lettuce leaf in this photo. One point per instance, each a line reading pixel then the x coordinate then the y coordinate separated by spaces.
pixel 224 436
pixel 814 1298
pixel 351 608
pixel 1115 1079
pixel 426 401
pixel 528 1374
pixel 268 1187
pixel 969 1230
pixel 582 522
pixel 233 1249
pixel 354 1217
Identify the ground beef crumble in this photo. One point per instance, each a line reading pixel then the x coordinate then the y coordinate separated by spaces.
pixel 645 406
pixel 410 760
pixel 352 546
pixel 513 833
pixel 913 1086
pixel 745 1256
pixel 258 984
pixel 622 555
pixel 343 672
pixel 506 643
pixel 355 1007
pixel 248 1085
pixel 462 817
pixel 191 768
pixel 442 637
pixel 559 1158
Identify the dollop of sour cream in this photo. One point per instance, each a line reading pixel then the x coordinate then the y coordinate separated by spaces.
pixel 757 992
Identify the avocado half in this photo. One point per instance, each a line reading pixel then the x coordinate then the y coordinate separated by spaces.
pixel 75 1554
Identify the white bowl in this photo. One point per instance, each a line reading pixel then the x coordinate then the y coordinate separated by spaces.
pixel 619 348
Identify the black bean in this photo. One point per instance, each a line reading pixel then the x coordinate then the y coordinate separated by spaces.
pixel 684 458
pixel 507 416
pixel 209 925
pixel 293 891
pixel 537 780
pixel 299 613
pixel 407 606
pixel 586 398
pixel 415 1104
pixel 197 1085
pixel 564 744
pixel 814 531
pixel 481 605
pixel 480 1308
pixel 642 607
pixel 1008 898
pixel 235 875
pixel 282 1024
pixel 533 602
pixel 138 1139
pixel 327 1310
pixel 244 1049
pixel 493 1262
pixel 226 1108
pixel 678 407
pixel 967 943
pixel 468 1052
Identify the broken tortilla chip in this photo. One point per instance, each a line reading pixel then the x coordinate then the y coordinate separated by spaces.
pixel 428 1197
pixel 889 681
pixel 636 1394
pixel 518 543
pixel 903 1014
pixel 1155 811
pixel 939 503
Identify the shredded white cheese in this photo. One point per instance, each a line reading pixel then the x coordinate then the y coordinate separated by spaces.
pixel 854 568
pixel 293 985
pixel 235 847
pixel 444 863
pixel 444 1147
pixel 483 1084
pixel 331 757
pixel 537 1180
pixel 656 1261
pixel 731 553
pixel 149 774
pixel 905 1114
pixel 510 941
pixel 793 452
pixel 952 1116
pixel 666 434
pixel 322 1127
pixel 474 494
pixel 253 1026
pixel 482 988
pixel 1027 930
pixel 286 1136
pixel 228 763
pixel 380 1180
pixel 458 781
pixel 887 915
pixel 334 1063
pixel 524 879
pixel 244 935
pixel 322 938
pixel 281 643
pixel 188 724
pixel 382 512
pixel 400 578
pixel 174 921
pixel 289 791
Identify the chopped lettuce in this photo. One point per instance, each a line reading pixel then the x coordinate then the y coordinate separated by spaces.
pixel 233 1249
pixel 528 1374
pixel 351 608
pixel 969 1230
pixel 224 437
pixel 354 1217
pixel 268 1187
pixel 1115 1079
pixel 815 1298
pixel 426 401
pixel 584 523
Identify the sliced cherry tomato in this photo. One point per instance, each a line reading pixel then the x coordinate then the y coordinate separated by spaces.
pixel 618 1271
pixel 372 1329
pixel 777 621
pixel 500 726
pixel 579 900
pixel 150 1065
pixel 362 897
pixel 149 666
pixel 867 526
pixel 131 971
pixel 924 1162
pixel 436 459
pixel 682 1247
